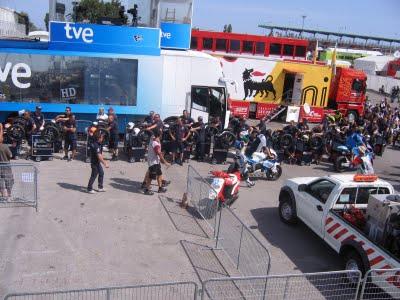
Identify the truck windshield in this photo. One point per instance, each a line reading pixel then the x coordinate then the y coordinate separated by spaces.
pixel 358 86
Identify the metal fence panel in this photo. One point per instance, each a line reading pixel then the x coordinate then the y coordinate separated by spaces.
pixel 18 185
pixel 246 252
pixel 198 192
pixel 315 286
pixel 164 291
pixel 381 284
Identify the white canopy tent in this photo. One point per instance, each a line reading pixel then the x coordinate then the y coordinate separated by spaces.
pixel 372 64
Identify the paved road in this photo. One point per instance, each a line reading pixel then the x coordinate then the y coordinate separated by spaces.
pixel 122 237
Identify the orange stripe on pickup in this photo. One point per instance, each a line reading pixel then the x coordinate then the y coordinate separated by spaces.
pixel 333 228
pixel 376 260
pixel 340 233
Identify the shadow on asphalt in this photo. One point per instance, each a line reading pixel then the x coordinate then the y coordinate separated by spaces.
pixel 126 185
pixel 304 248
pixel 184 220
pixel 73 187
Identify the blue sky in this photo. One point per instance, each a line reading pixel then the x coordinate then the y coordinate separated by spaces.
pixel 371 17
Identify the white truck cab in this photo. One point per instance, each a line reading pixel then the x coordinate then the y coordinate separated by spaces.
pixel 341 209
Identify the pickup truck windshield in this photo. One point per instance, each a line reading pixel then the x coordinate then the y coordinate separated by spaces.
pixel 321 189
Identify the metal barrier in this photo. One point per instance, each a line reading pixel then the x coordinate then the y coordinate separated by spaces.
pixel 247 253
pixel 327 285
pixel 381 284
pixel 18 185
pixel 165 291
pixel 198 192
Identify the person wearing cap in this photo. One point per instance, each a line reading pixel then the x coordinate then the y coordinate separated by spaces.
pixel 150 118
pixel 38 118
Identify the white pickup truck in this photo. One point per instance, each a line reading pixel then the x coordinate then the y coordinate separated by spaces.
pixel 321 203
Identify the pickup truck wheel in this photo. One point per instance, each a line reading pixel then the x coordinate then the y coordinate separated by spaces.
pixel 287 211
pixel 353 262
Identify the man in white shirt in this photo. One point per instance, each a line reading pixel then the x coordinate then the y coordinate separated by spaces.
pixel 154 159
pixel 102 116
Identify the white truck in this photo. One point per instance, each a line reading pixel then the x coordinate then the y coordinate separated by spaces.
pixel 359 219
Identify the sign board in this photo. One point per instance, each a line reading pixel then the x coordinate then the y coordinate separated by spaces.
pixel 175 36
pixel 104 38
pixel 239 108
pixel 315 115
pixel 293 113
pixel 264 109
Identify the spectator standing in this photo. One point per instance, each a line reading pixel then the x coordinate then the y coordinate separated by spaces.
pixel 101 115
pixel 179 134
pixel 70 141
pixel 38 119
pixel 154 159
pixel 157 125
pixel 150 118
pixel 6 176
pixel 113 143
pixel 96 160
pixel 186 119
pixel 200 129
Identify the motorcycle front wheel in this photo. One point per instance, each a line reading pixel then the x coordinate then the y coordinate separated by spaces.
pixel 271 176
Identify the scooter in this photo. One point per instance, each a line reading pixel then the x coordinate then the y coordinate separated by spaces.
pixel 263 167
pixel 225 187
pixel 351 159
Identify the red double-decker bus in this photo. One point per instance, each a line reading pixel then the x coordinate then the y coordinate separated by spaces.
pixel 247 44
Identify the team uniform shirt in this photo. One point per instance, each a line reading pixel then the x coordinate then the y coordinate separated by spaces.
pixel 70 124
pixel 154 150
pixel 38 120
pixel 95 150
pixel 187 120
pixel 179 132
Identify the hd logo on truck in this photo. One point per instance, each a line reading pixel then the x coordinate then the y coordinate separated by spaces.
pixel 19 70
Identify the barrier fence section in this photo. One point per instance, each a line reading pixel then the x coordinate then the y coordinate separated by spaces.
pixel 246 252
pixel 165 291
pixel 314 286
pixel 199 193
pixel 18 185
pixel 381 284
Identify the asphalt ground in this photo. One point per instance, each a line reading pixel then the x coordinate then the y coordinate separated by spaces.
pixel 122 237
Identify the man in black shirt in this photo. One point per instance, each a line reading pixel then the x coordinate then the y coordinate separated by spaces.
pixel 179 135
pixel 113 143
pixel 96 159
pixel 150 118
pixel 157 125
pixel 186 119
pixel 70 143
pixel 201 138
pixel 29 128
pixel 38 118
pixel 303 125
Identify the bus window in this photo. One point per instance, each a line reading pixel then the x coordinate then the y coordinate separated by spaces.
pixel 200 98
pixel 221 45
pixel 300 51
pixel 193 43
pixel 288 50
pixel 275 49
pixel 260 48
pixel 248 46
pixel 207 43
pixel 235 46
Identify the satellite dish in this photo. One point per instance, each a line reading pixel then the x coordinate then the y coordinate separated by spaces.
pixel 397 54
pixel 306 108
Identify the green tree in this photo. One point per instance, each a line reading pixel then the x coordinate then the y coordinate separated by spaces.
pixel 229 28
pixel 23 18
pixel 92 10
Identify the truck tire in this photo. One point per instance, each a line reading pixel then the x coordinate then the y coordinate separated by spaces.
pixel 353 262
pixel 287 210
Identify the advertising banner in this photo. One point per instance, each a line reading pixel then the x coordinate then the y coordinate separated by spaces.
pixel 315 115
pixel 175 36
pixel 104 38
pixel 264 109
pixel 239 108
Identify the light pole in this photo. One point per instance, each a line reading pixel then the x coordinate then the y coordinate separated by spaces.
pixel 302 24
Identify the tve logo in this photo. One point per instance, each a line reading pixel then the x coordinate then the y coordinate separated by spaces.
pixel 87 34
pixel 19 70
pixel 175 36
pixel 166 35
